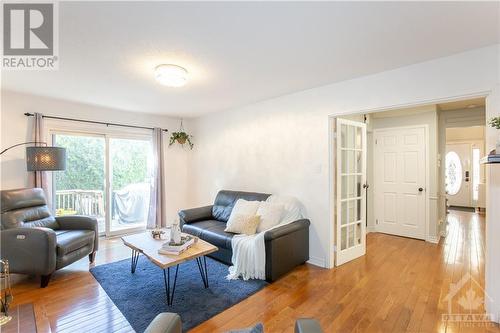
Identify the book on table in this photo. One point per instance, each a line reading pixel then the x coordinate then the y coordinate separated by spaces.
pixel 177 248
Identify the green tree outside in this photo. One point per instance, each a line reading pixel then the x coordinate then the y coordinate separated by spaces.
pixel 85 162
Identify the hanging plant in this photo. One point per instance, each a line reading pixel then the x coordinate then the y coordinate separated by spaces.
pixel 181 137
pixel 494 122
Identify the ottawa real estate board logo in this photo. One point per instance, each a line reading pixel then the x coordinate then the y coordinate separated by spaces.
pixel 30 36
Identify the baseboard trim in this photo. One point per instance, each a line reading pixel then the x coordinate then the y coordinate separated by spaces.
pixel 433 239
pixel 316 261
pixel 370 228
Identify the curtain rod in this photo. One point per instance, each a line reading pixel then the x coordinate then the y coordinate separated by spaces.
pixel 93 122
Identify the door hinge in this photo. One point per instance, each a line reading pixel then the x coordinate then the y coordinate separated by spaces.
pixel 376 221
pixel 376 141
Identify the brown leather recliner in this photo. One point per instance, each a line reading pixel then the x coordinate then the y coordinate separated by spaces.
pixel 35 242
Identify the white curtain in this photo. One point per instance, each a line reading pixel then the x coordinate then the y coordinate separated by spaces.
pixel 39 178
pixel 156 209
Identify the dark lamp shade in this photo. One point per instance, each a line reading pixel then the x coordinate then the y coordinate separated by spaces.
pixel 45 158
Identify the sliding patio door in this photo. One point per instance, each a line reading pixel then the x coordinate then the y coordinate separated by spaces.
pixel 129 184
pixel 107 177
pixel 80 189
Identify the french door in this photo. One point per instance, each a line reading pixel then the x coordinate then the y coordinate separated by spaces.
pixel 107 177
pixel 350 192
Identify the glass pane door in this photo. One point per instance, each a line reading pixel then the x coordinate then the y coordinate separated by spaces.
pixel 106 177
pixel 130 164
pixel 351 175
pixel 80 189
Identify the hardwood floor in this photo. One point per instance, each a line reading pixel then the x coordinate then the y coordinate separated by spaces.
pixel 73 300
pixel 399 286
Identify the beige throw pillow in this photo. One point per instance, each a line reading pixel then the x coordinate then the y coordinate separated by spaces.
pixel 270 215
pixel 245 207
pixel 243 224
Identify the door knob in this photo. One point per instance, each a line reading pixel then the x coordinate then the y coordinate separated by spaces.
pixel 420 189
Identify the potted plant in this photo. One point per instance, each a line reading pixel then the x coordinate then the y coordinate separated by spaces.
pixel 495 123
pixel 181 137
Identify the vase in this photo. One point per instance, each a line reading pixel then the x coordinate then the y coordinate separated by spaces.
pixel 181 140
pixel 175 233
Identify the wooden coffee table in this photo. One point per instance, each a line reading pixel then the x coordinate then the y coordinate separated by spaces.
pixel 145 244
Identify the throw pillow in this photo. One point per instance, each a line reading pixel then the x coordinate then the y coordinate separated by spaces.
pixel 293 207
pixel 243 207
pixel 270 215
pixel 243 224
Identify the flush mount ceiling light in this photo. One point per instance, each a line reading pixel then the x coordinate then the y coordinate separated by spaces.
pixel 171 75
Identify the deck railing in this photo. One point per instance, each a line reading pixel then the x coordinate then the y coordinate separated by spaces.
pixel 81 202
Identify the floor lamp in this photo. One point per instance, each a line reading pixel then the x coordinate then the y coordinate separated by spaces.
pixel 45 158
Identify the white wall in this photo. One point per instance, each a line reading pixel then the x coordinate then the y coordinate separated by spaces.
pixel 281 145
pixel 16 128
pixel 473 133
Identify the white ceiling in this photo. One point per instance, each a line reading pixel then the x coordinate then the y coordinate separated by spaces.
pixel 239 53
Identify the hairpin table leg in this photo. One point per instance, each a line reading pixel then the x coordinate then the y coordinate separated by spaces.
pixel 202 266
pixel 166 279
pixel 135 259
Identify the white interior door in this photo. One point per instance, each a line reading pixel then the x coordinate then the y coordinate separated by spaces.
pixel 400 170
pixel 350 193
pixel 458 174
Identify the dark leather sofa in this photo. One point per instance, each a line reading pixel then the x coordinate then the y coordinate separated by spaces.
pixel 35 242
pixel 286 246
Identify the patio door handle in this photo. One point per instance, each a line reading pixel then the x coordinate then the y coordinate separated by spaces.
pixel 420 189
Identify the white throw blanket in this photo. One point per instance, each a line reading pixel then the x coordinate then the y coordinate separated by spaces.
pixel 249 257
pixel 249 252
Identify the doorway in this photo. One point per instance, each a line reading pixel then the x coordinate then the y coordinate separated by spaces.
pixel 464 175
pixel 406 152
pixel 400 195
pixel 107 177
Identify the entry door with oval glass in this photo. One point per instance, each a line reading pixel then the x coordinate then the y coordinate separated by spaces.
pixel 400 171
pixel 458 174
pixel 351 195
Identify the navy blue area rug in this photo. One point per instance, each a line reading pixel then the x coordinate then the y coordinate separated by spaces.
pixel 141 296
